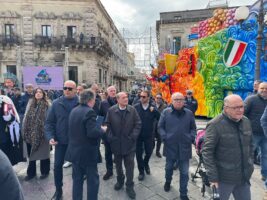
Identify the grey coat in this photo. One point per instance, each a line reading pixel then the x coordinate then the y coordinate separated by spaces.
pixel 177 133
pixel 228 150
pixel 123 130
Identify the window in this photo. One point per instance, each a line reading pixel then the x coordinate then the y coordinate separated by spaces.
pixel 177 44
pixel 9 30
pixel 11 69
pixel 71 31
pixel 73 73
pixel 99 75
pixel 178 17
pixel 46 30
pixel 105 76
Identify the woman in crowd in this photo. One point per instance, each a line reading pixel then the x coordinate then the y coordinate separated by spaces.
pixel 33 134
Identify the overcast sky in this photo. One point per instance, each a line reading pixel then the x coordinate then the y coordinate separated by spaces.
pixel 137 15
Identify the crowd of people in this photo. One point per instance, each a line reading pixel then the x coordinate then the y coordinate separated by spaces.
pixel 76 123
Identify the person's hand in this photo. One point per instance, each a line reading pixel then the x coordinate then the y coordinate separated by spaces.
pixel 151 108
pixel 216 184
pixel 52 142
pixel 104 128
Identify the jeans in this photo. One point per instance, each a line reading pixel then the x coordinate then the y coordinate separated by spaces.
pixel 261 141
pixel 60 151
pixel 183 166
pixel 240 191
pixel 141 145
pixel 92 178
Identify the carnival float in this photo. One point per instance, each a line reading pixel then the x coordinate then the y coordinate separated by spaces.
pixel 221 62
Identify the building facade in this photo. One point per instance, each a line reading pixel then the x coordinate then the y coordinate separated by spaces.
pixel 78 35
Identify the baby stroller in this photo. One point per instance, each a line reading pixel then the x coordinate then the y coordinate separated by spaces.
pixel 200 171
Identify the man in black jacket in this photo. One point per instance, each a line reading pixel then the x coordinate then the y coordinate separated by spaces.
pixel 148 115
pixel 228 151
pixel 124 127
pixel 190 102
pixel 56 130
pixel 104 106
pixel 254 108
pixel 84 136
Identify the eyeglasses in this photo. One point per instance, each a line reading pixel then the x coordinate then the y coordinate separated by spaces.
pixel 67 88
pixel 158 98
pixel 143 96
pixel 236 107
pixel 178 100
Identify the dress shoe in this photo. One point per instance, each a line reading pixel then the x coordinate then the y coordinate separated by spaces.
pixel 107 175
pixel 57 195
pixel 43 176
pixel 118 186
pixel 147 169
pixel 67 164
pixel 182 197
pixel 141 177
pixel 167 186
pixel 158 154
pixel 130 192
pixel 28 178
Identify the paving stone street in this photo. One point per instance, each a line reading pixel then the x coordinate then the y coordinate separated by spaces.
pixel 149 189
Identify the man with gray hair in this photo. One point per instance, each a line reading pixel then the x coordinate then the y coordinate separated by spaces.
pixel 177 128
pixel 56 130
pixel 84 136
pixel 228 151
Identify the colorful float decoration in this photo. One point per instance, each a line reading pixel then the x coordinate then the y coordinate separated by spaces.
pixel 221 62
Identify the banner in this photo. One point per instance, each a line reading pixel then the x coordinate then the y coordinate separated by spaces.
pixel 44 77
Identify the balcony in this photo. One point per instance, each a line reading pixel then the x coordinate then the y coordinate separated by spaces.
pixel 42 41
pixel 10 40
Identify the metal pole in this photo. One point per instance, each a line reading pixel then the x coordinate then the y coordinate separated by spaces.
pixel 259 41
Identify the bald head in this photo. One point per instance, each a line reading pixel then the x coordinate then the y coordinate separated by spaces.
pixel 178 100
pixel 69 89
pixel 262 90
pixel 234 107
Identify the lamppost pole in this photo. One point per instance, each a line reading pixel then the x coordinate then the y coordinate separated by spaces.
pixel 259 41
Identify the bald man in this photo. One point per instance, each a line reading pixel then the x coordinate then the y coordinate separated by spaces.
pixel 228 151
pixel 177 128
pixel 56 130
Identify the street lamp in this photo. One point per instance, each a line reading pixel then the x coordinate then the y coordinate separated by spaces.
pixel 241 14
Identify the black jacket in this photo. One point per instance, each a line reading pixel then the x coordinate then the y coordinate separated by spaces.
pixel 105 105
pixel 148 119
pixel 24 101
pixel 228 150
pixel 123 130
pixel 84 136
pixel 254 108
pixel 191 104
pixel 9 184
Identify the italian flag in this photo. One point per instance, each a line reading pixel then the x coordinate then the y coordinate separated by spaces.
pixel 234 52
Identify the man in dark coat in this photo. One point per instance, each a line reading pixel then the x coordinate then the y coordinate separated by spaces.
pixel 124 127
pixel 228 151
pixel 25 98
pixel 9 184
pixel 56 130
pixel 254 108
pixel 104 106
pixel 84 136
pixel 95 88
pixel 177 128
pixel 148 115
pixel 190 102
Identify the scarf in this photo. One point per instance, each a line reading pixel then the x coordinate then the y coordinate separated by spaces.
pixel 33 124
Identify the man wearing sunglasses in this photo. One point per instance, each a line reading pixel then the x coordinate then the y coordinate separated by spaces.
pixel 56 130
pixel 177 128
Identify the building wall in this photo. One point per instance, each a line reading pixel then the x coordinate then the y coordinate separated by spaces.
pixel 107 55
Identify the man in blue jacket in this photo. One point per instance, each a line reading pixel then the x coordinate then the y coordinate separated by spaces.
pixel 84 136
pixel 177 128
pixel 56 130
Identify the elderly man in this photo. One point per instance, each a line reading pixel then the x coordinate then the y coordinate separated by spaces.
pixel 124 127
pixel 228 151
pixel 177 128
pixel 25 98
pixel 254 108
pixel 84 136
pixel 104 106
pixel 56 130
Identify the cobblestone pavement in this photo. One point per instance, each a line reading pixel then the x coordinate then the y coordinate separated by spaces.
pixel 149 189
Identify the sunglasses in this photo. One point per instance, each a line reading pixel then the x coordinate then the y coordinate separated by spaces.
pixel 67 88
pixel 143 96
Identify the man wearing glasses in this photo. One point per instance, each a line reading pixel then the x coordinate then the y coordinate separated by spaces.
pixel 177 128
pixel 56 130
pixel 228 151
